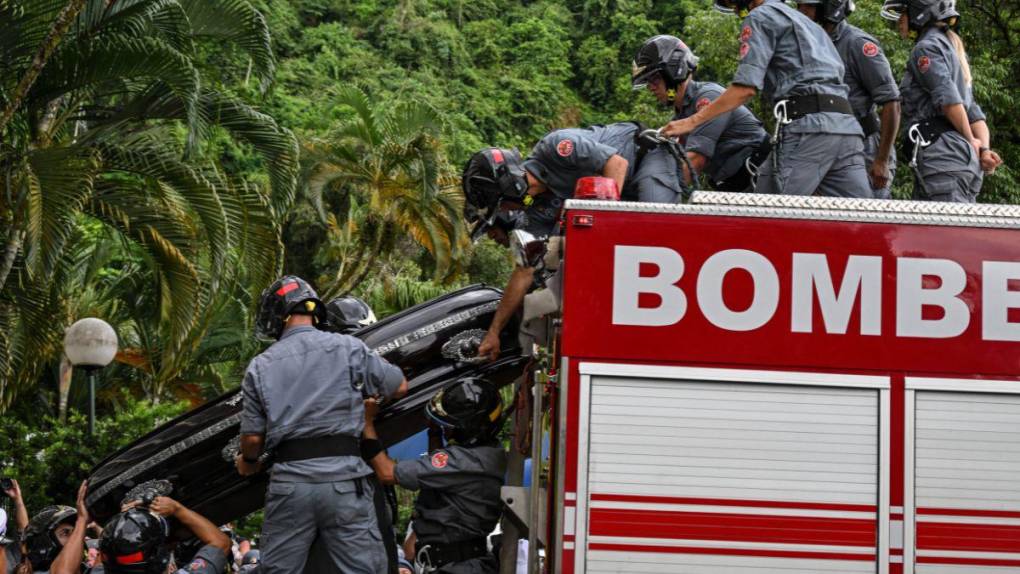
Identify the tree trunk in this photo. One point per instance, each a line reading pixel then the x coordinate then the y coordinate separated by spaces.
pixel 57 31
pixel 377 246
pixel 64 386
pixel 10 254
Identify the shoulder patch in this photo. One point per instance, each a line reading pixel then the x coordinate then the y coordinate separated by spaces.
pixel 745 33
pixel 440 459
pixel 870 49
pixel 197 564
pixel 923 63
pixel 744 49
pixel 702 103
pixel 564 148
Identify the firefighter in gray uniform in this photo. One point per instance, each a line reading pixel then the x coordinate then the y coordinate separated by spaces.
pixel 817 144
pixel 304 404
pixel 727 149
pixel 459 500
pixel 871 84
pixel 946 135
pixel 641 172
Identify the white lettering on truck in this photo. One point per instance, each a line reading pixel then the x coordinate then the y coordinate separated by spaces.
pixel 920 283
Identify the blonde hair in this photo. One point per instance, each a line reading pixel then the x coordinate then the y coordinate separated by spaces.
pixel 961 53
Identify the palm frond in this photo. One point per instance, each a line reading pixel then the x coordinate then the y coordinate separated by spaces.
pixel 239 22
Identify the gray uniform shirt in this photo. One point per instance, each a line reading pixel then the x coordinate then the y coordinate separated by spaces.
pixel 935 79
pixel 783 54
pixel 459 497
pixel 868 75
pixel 563 156
pixel 311 383
pixel 734 134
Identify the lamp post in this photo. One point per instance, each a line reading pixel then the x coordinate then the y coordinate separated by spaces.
pixel 91 344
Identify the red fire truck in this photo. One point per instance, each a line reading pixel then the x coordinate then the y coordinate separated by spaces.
pixel 768 384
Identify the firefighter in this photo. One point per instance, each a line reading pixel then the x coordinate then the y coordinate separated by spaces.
pixel 348 314
pixel 303 402
pixel 871 84
pixel 47 533
pixel 459 501
pixel 727 149
pixel 817 143
pixel 946 135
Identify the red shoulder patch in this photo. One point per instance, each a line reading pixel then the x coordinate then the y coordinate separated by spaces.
pixel 923 63
pixel 744 49
pixel 702 103
pixel 440 459
pixel 745 33
pixel 565 148
pixel 870 49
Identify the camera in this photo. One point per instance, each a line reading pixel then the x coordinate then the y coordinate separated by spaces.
pixel 5 485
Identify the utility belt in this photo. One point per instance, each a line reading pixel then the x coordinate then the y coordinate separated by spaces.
pixel 317 447
pixel 432 556
pixel 796 107
pixel 921 135
pixel 870 124
pixel 745 177
pixel 926 132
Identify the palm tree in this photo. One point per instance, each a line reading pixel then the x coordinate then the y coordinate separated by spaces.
pixel 388 167
pixel 105 112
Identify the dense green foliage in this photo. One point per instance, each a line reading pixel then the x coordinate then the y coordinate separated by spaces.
pixel 150 171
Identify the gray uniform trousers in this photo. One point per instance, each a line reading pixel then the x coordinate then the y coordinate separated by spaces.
pixel 830 165
pixel 344 521
pixel 870 150
pixel 657 178
pixel 951 171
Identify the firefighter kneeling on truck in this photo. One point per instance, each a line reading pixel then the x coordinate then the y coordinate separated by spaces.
pixel 459 503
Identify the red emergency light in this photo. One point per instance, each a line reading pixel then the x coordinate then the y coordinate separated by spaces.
pixel 596 187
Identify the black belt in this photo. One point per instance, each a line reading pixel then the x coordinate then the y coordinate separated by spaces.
pixel 799 106
pixel 869 123
pixel 317 447
pixel 743 178
pixel 931 129
pixel 437 555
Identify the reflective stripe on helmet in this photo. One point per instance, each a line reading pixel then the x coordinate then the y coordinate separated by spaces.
pixel 287 288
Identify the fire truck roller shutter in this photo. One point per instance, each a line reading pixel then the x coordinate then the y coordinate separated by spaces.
pixel 709 477
pixel 967 482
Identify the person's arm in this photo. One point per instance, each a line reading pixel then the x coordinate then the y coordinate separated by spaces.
pixel 990 159
pixel 20 512
pixel 616 169
pixel 890 127
pixel 70 557
pixel 513 297
pixel 199 525
pixel 382 464
pixel 957 115
pixel 732 98
pixel 252 446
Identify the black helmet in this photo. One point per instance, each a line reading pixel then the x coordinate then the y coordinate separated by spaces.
pixel 347 314
pixel 489 177
pixel 135 542
pixel 469 411
pixel 921 13
pixel 738 7
pixel 288 296
pixel 830 11
pixel 250 557
pixel 665 56
pixel 41 538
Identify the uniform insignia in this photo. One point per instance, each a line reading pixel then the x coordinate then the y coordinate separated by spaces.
pixel 923 63
pixel 440 459
pixel 565 148
pixel 744 49
pixel 745 34
pixel 702 103
pixel 197 564
pixel 870 49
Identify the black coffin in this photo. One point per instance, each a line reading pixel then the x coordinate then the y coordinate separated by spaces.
pixel 187 451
